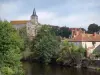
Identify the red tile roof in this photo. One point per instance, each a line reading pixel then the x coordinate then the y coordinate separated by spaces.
pixel 18 22
pixel 85 37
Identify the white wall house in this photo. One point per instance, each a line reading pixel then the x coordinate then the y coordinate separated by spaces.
pixel 90 42
pixel 19 23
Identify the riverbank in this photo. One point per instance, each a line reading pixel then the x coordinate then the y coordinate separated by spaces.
pixel 95 64
pixel 86 63
pixel 34 68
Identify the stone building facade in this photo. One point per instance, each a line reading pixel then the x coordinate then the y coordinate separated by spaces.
pixel 31 25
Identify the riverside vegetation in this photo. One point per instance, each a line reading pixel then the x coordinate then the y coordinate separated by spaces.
pixel 10 50
pixel 46 47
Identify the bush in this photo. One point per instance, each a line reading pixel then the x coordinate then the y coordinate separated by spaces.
pixel 7 71
pixel 70 54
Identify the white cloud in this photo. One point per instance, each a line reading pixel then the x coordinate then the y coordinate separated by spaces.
pixel 77 20
pixel 9 9
pixel 43 16
pixel 46 17
pixel 23 17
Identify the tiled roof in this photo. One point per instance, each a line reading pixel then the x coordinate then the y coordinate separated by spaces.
pixel 86 37
pixel 18 22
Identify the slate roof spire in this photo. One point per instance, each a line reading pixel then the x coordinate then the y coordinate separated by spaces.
pixel 34 12
pixel 34 17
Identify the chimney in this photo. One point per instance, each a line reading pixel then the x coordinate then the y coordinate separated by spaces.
pixel 94 34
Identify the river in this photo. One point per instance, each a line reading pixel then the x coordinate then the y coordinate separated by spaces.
pixel 40 69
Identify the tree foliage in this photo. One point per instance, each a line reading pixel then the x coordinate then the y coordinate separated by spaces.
pixel 70 54
pixel 23 35
pixel 65 32
pixel 61 31
pixel 10 47
pixel 45 44
pixel 93 28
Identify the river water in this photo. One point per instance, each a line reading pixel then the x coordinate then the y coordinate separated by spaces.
pixel 40 69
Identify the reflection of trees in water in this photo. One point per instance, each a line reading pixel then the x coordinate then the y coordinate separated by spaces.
pixel 27 68
pixel 40 69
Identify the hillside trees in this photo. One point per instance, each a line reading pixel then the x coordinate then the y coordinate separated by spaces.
pixel 10 48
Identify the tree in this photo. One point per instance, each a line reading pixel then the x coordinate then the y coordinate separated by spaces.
pixel 10 48
pixel 56 29
pixel 70 54
pixel 26 51
pixel 23 35
pixel 65 32
pixel 45 45
pixel 93 28
pixel 61 31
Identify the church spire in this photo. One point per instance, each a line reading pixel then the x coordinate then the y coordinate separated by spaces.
pixel 34 12
pixel 34 17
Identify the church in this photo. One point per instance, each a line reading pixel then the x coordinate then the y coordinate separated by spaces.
pixel 31 25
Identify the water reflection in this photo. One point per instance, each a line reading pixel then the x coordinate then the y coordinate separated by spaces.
pixel 40 69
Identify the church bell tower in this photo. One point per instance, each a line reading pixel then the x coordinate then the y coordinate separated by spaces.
pixel 34 17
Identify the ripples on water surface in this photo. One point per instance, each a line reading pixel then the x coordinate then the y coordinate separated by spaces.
pixel 40 69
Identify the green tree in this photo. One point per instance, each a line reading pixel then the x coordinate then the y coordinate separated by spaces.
pixel 70 54
pixel 26 51
pixel 93 28
pixel 23 35
pixel 64 32
pixel 56 29
pixel 10 48
pixel 45 45
pixel 61 31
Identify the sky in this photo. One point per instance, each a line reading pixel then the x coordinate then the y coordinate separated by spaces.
pixel 69 13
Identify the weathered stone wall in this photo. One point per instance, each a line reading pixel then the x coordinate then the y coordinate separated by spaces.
pixel 19 26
